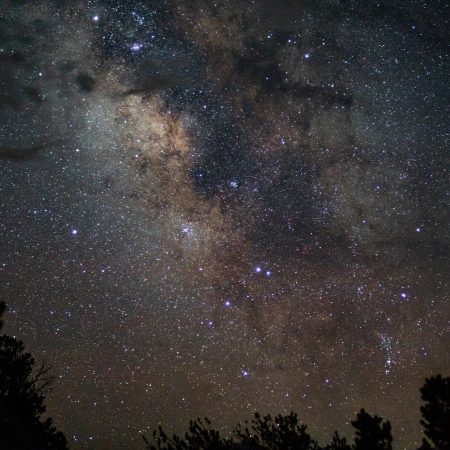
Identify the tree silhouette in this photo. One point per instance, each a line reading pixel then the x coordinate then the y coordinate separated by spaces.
pixel 22 386
pixel 338 443
pixel 288 433
pixel 436 412
pixel 262 433
pixel 199 436
pixel 371 433
pixel 281 433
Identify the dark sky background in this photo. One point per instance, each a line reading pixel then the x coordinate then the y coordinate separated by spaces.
pixel 212 208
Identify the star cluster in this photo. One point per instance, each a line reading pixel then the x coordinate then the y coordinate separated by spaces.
pixel 212 208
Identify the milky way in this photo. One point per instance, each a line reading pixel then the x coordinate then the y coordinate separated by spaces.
pixel 212 208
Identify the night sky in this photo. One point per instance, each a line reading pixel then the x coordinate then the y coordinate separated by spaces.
pixel 216 207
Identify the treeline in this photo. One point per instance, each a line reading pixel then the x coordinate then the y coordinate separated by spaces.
pixel 23 384
pixel 22 388
pixel 288 433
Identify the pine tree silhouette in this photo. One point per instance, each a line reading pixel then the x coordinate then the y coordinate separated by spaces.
pixel 280 433
pixel 436 412
pixel 199 436
pixel 261 433
pixel 371 432
pixel 338 443
pixel 22 386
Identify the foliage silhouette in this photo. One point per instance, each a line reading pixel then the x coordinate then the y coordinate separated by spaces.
pixel 436 412
pixel 263 433
pixel 281 433
pixel 371 433
pixel 22 387
pixel 198 436
pixel 338 443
